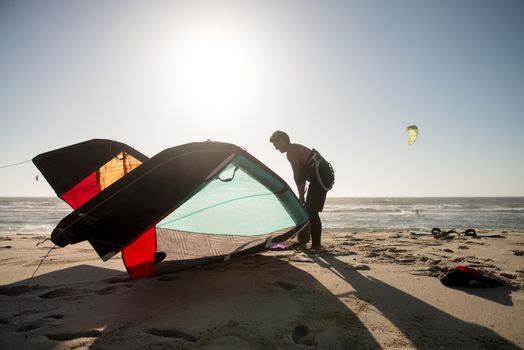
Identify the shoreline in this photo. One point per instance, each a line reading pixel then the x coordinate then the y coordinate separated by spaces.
pixel 365 290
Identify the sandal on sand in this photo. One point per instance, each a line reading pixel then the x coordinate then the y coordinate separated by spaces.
pixel 439 234
pixel 470 232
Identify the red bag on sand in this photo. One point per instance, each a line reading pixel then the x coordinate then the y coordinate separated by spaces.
pixel 463 276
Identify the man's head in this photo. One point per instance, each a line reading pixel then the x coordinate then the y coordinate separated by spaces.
pixel 280 140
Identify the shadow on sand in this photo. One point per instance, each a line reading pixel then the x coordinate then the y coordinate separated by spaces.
pixel 502 296
pixel 430 327
pixel 250 303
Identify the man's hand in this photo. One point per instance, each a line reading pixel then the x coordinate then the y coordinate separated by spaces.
pixel 302 189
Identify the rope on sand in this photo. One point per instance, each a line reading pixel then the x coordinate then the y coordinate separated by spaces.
pixel 22 323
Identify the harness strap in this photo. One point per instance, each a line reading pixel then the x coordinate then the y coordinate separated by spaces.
pixel 316 159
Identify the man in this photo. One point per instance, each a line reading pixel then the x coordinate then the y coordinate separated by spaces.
pixel 308 165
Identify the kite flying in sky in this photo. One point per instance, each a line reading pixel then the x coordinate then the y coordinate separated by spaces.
pixel 412 134
pixel 188 205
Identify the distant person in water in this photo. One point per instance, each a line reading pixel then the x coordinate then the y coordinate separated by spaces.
pixel 308 166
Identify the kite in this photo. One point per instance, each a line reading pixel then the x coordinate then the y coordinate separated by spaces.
pixel 188 205
pixel 412 134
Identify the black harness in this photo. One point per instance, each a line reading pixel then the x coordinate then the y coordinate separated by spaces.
pixel 321 170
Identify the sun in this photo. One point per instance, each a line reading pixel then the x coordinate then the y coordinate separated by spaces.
pixel 215 72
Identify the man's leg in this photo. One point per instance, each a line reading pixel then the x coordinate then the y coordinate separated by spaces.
pixel 315 199
pixel 316 228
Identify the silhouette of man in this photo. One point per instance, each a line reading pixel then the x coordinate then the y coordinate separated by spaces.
pixel 308 166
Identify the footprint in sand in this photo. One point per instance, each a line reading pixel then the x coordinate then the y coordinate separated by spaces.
pixel 472 242
pixel 301 336
pixel 57 293
pixel 27 327
pixel 405 259
pixel 54 316
pixel 106 290
pixel 172 333
pixel 396 250
pixel 37 324
pixel 17 290
pixel 509 275
pixel 168 278
pixel 287 285
pixel 74 335
pixel 116 280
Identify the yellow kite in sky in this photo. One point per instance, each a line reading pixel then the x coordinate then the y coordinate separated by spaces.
pixel 412 134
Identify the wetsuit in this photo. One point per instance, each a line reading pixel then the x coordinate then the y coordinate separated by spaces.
pixel 321 178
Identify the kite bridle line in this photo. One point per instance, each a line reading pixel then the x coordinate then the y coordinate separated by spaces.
pixel 14 164
pixel 27 161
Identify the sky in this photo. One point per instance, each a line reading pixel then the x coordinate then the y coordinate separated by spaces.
pixel 343 77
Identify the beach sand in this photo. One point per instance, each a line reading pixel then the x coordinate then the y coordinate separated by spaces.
pixel 365 290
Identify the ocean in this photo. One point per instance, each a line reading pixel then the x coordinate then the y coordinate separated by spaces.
pixel 38 215
pixel 364 214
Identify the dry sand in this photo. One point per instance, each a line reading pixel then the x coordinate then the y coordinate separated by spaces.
pixel 365 290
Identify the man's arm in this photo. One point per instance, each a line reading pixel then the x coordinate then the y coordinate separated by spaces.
pixel 298 175
pixel 301 191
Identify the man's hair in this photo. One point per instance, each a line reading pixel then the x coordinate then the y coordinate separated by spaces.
pixel 279 135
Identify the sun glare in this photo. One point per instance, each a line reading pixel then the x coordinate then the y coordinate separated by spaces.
pixel 215 73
